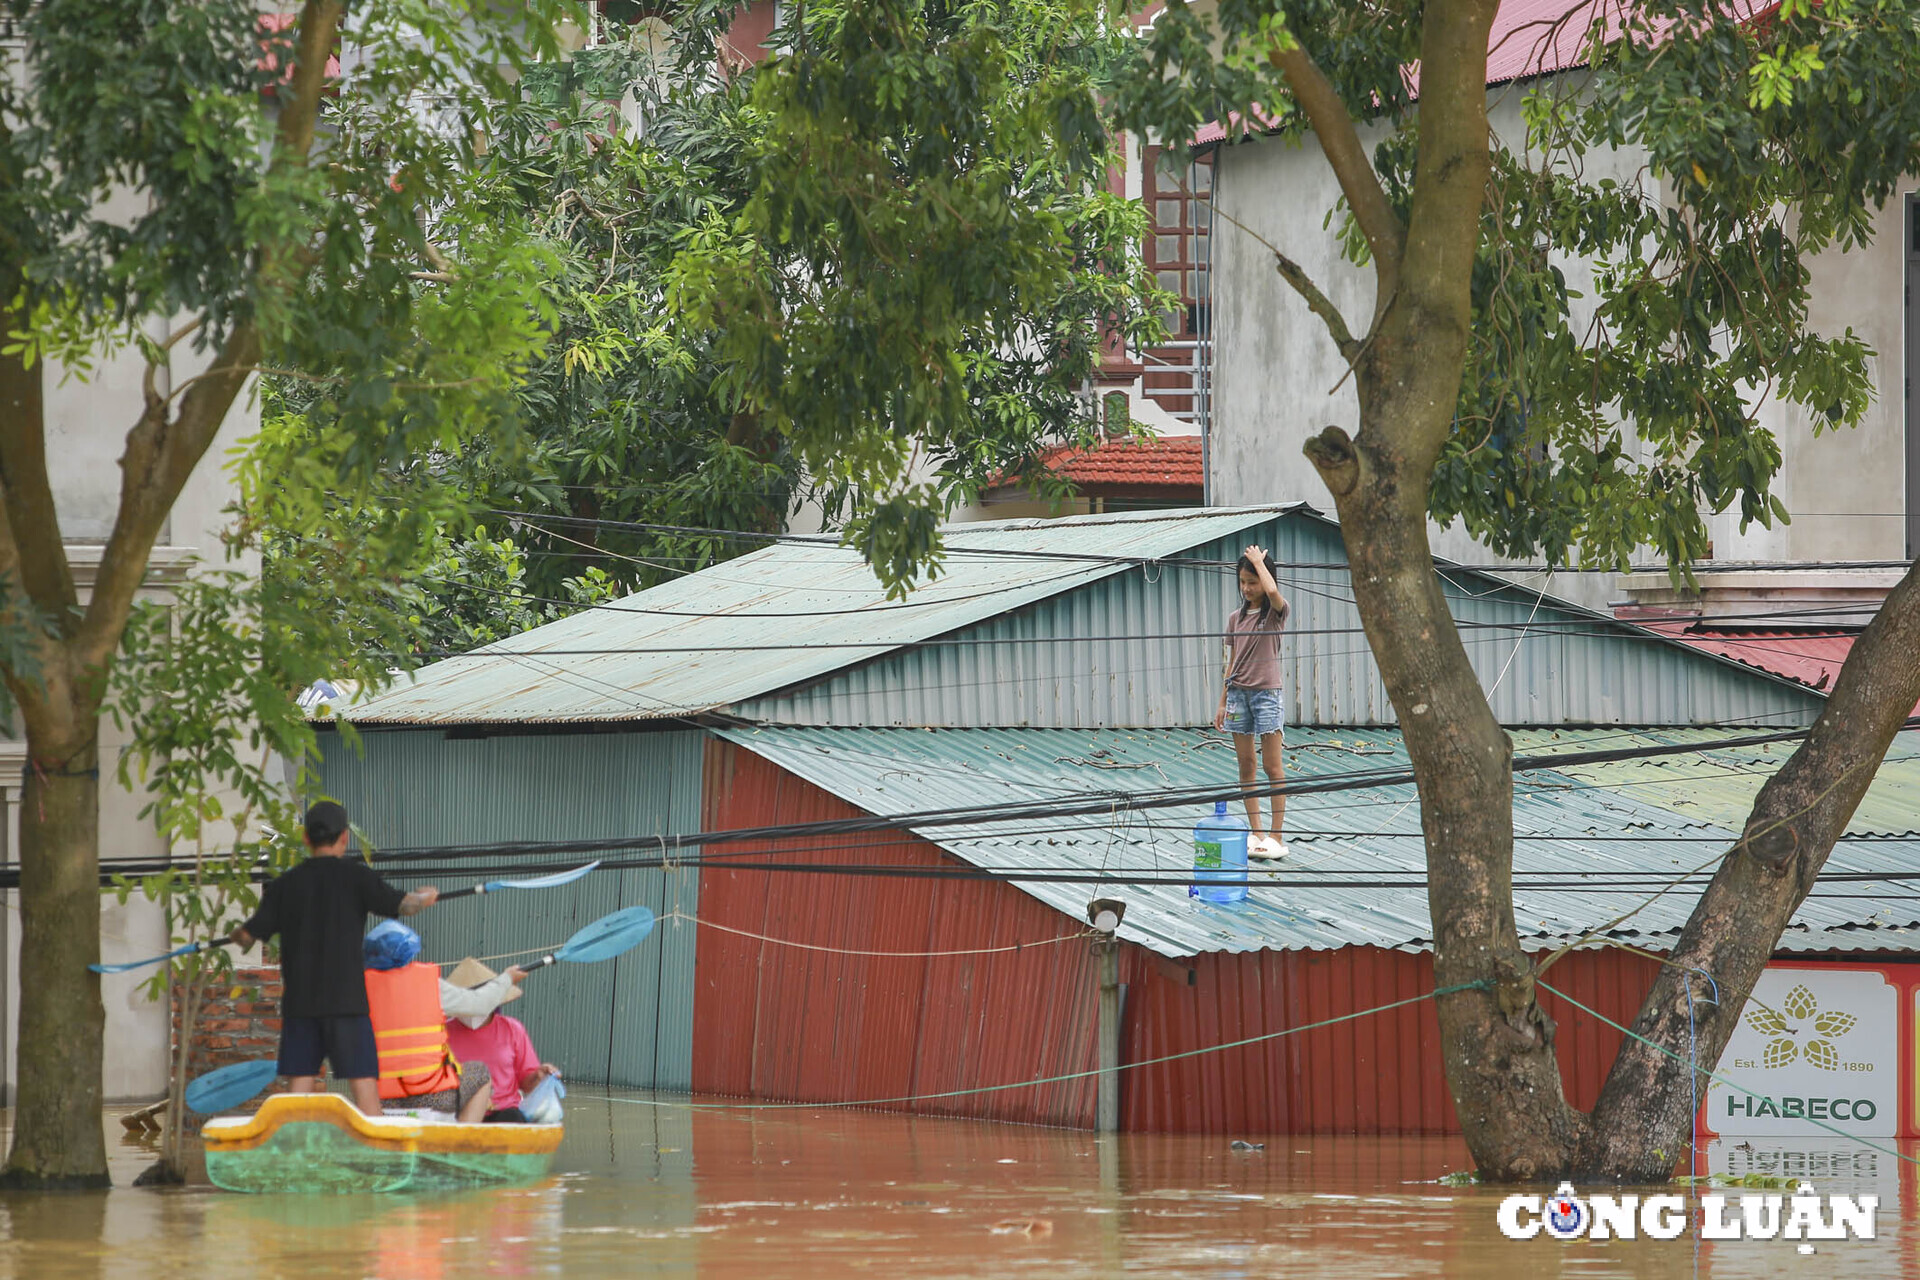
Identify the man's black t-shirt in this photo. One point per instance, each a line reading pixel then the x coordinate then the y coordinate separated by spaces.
pixel 319 909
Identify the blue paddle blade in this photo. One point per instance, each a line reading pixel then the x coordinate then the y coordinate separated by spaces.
pixel 141 964
pixel 542 882
pixel 608 936
pixel 228 1087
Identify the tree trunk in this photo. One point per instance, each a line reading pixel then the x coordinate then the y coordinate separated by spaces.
pixel 1644 1118
pixel 173 1146
pixel 1496 1041
pixel 57 1139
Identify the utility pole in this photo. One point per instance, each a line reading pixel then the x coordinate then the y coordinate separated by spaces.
pixel 1104 915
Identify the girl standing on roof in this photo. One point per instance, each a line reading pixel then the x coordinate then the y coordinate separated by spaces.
pixel 1252 706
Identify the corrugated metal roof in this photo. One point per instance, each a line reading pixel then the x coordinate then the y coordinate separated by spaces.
pixel 790 593
pixel 1811 658
pixel 1142 652
pixel 1652 817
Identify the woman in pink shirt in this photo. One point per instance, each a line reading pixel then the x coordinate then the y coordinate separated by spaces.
pixel 502 1043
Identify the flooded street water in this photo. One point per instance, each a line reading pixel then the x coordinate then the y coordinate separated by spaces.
pixel 640 1189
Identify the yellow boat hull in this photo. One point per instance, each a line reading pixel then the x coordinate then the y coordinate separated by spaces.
pixel 320 1143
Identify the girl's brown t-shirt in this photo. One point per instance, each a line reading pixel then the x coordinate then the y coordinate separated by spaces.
pixel 1253 638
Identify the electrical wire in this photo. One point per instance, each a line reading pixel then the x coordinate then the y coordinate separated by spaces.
pixel 1083 804
pixel 834 540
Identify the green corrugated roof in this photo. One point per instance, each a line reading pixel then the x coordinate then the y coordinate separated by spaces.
pixel 676 649
pixel 1586 828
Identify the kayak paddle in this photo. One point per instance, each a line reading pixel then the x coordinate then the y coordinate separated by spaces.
pixel 190 949
pixel 230 1086
pixel 539 882
pixel 492 886
pixel 605 938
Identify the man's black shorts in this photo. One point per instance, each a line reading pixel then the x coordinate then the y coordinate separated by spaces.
pixel 346 1043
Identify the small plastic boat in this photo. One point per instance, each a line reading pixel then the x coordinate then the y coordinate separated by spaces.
pixel 320 1143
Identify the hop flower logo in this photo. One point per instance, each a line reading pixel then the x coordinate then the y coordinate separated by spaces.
pixel 1799 1030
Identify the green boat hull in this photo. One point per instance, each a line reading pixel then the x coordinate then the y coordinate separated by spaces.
pixel 319 1144
pixel 321 1159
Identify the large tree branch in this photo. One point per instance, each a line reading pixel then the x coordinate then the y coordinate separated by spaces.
pixel 1302 284
pixel 1451 170
pixel 1318 303
pixel 38 563
pixel 162 448
pixel 1340 141
pixel 1645 1109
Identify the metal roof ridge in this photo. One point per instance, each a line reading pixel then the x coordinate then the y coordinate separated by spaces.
pixel 1165 516
pixel 650 612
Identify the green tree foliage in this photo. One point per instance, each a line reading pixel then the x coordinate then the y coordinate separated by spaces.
pixel 916 289
pixel 1600 416
pixel 622 418
pixel 736 323
pixel 196 170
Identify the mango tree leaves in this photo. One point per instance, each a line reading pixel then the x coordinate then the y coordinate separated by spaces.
pixel 1627 330
pixel 918 288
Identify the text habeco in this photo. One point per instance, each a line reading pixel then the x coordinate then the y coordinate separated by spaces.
pixel 1757 1105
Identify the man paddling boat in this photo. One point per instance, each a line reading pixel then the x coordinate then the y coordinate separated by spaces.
pixel 319 911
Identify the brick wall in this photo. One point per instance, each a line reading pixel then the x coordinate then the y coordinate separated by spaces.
pixel 239 1021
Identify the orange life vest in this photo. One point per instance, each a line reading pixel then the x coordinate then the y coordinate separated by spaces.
pixel 410 1032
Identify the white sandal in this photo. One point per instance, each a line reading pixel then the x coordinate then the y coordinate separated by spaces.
pixel 1266 848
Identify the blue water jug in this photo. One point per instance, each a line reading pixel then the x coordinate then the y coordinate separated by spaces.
pixel 1220 857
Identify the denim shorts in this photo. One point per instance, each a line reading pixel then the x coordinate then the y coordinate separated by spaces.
pixel 1255 711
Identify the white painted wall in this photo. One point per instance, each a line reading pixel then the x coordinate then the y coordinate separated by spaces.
pixel 1275 365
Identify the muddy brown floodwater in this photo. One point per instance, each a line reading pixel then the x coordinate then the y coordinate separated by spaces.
pixel 644 1189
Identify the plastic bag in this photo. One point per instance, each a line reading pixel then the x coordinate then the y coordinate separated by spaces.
pixel 542 1106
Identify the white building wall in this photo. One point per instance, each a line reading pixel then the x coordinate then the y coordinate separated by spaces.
pixel 1276 370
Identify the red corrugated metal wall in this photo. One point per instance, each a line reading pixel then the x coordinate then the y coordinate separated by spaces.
pixel 1376 1074
pixel 778 1022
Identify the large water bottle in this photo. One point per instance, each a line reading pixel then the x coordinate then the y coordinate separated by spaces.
pixel 1220 857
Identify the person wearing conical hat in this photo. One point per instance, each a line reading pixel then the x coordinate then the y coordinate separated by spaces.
pixel 501 1042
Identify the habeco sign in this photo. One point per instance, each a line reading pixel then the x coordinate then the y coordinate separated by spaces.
pixel 1813 1045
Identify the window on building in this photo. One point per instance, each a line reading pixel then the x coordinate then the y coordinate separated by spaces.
pixel 1179 253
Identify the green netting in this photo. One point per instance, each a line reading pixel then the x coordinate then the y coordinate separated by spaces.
pixel 310 1158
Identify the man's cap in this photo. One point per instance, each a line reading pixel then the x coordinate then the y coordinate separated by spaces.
pixel 471 973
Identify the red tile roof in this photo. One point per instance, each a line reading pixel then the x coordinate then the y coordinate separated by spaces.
pixel 1165 462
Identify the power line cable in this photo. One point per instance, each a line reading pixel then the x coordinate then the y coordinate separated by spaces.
pixel 834 540
pixel 1092 802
